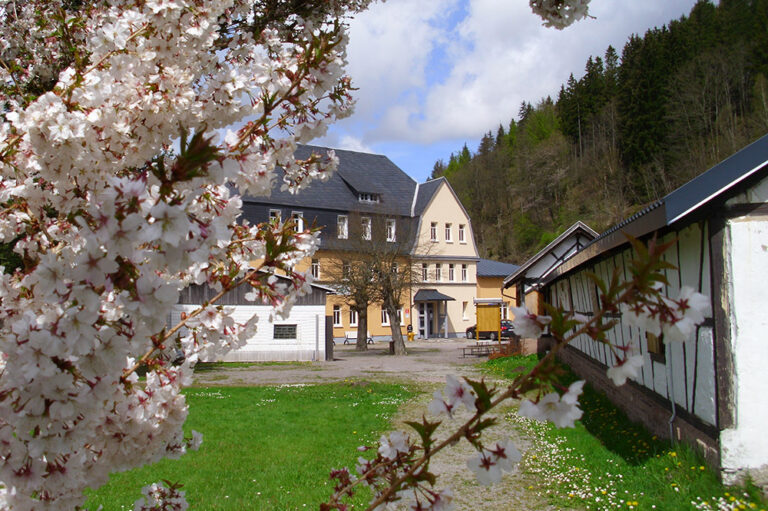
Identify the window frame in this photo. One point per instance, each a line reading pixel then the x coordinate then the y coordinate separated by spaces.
pixel 448 232
pixel 384 317
pixel 353 318
pixel 367 228
pixel 292 329
pixel 337 316
pixel 424 272
pixel 391 230
pixel 342 227
pixel 438 272
pixel 433 231
pixel 315 269
pixel 275 213
pixel 451 272
pixel 462 234
pixel 464 273
pixel 298 219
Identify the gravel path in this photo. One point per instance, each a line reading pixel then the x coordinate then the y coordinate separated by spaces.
pixel 427 364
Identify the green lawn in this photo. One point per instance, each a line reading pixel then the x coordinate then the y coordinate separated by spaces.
pixel 266 448
pixel 608 462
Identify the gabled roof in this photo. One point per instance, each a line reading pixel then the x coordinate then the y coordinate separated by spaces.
pixel 711 187
pixel 357 173
pixel 577 228
pixel 424 193
pixel 489 268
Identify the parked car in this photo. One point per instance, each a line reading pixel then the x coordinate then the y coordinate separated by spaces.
pixel 506 331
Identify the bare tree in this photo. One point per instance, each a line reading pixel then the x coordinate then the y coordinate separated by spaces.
pixel 375 267
pixel 353 278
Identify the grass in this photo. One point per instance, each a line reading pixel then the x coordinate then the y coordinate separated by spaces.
pixel 266 448
pixel 204 367
pixel 609 462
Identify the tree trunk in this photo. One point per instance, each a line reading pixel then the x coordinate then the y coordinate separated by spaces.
pixel 397 333
pixel 362 330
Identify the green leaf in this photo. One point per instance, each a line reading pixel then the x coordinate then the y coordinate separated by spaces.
pixel 425 429
pixel 483 393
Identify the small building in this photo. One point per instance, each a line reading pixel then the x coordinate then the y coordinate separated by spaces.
pixel 711 390
pixel 299 337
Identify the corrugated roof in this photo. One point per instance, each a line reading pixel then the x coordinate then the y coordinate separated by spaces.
pixel 489 268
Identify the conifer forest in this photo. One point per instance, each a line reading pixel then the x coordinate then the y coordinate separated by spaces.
pixel 635 126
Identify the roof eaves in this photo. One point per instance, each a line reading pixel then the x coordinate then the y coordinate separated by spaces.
pixel 579 225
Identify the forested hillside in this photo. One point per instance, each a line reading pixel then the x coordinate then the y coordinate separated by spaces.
pixel 634 127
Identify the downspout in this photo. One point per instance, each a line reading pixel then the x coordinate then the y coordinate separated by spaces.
pixel 671 385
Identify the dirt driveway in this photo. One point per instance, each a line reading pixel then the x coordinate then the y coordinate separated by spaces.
pixel 428 361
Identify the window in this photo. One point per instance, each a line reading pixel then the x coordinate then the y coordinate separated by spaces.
pixel 400 316
pixel 366 224
pixel 298 221
pixel 284 332
pixel 464 306
pixel 433 231
pixel 384 317
pixel 368 197
pixel 449 233
pixel 337 315
pixel 656 347
pixel 342 227
pixel 505 311
pixel 345 268
pixel 462 237
pixel 390 229
pixel 424 272
pixel 451 273
pixel 395 268
pixel 352 317
pixel 274 214
pixel 463 272
pixel 438 272
pixel 315 269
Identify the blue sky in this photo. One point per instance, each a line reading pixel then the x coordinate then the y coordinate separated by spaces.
pixel 436 74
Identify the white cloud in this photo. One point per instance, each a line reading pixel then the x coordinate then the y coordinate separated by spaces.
pixel 351 143
pixel 431 70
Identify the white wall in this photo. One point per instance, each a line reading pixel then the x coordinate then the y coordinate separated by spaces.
pixel 310 333
pixel 745 446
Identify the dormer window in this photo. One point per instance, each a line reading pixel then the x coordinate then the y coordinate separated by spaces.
pixel 368 197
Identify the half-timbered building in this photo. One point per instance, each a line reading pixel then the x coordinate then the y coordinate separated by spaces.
pixel 710 391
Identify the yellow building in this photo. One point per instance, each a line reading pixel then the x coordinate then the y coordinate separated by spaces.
pixel 371 206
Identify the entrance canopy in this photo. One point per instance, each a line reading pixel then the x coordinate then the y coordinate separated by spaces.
pixel 431 295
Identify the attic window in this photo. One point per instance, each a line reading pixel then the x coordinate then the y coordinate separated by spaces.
pixel 368 197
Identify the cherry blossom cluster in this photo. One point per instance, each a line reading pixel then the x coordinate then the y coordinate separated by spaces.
pixel 560 14
pixel 131 131
pixel 159 496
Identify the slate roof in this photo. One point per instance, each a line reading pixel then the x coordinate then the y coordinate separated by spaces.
pixel 424 193
pixel 357 173
pixel 708 189
pixel 489 268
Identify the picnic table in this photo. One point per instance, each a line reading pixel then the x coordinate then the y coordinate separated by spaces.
pixel 486 348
